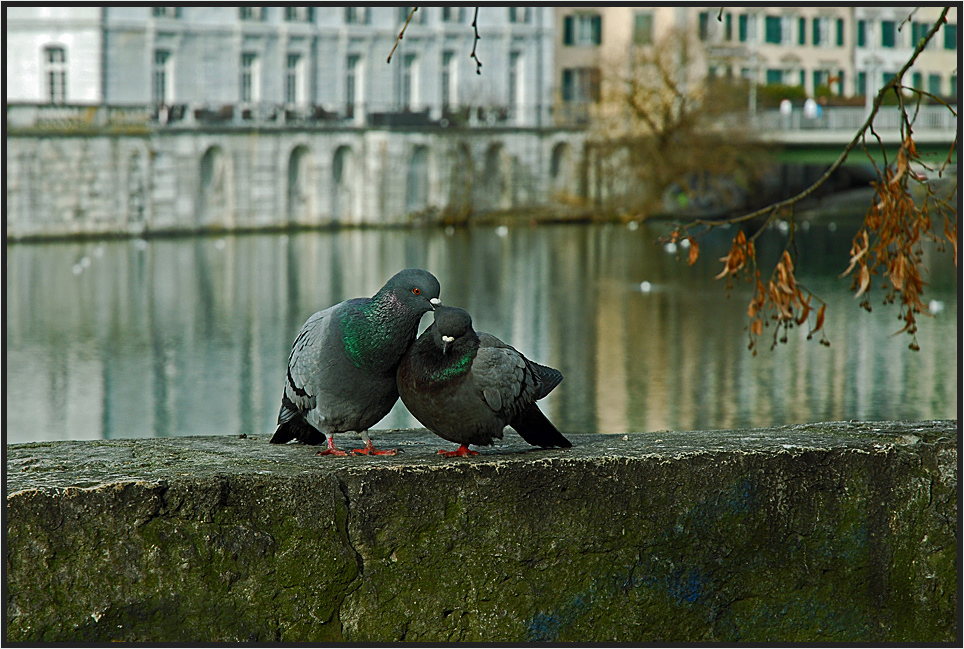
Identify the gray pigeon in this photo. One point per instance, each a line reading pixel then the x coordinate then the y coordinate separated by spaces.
pixel 341 372
pixel 466 386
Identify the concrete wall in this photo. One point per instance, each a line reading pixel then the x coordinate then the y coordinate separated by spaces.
pixel 195 179
pixel 832 532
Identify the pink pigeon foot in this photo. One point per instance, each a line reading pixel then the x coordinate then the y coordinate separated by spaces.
pixel 331 450
pixel 462 451
pixel 370 450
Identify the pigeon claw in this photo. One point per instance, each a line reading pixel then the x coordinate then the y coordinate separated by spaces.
pixel 370 450
pixel 331 450
pixel 462 451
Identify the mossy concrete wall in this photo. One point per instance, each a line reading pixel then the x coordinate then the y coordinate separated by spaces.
pixel 821 533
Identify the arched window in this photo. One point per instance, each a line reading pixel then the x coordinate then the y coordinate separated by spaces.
pixel 55 74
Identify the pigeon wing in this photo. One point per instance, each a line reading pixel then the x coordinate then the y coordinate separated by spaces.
pixel 500 374
pixel 301 382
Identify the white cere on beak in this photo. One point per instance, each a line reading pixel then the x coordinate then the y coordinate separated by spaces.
pixel 448 339
pixel 435 301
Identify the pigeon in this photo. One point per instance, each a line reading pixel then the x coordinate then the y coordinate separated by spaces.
pixel 342 368
pixel 466 386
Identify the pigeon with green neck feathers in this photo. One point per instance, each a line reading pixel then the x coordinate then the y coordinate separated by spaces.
pixel 342 369
pixel 466 386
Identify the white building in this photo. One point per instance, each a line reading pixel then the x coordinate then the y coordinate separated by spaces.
pixel 332 61
pixel 54 54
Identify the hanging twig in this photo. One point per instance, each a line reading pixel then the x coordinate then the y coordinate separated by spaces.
pixel 475 26
pixel 401 34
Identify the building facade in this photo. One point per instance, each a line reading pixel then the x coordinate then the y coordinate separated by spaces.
pixel 332 61
pixel 822 50
pixel 54 54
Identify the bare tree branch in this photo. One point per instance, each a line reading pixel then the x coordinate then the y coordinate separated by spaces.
pixel 401 34
pixel 475 26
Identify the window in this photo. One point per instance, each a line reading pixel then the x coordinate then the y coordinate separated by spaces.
pixel 728 27
pixel 299 14
pixel 839 32
pixel 250 77
pixel 643 28
pixel 802 31
pixel 55 59
pixel 774 76
pixel 821 32
pixel 742 28
pixel 294 89
pixel 580 84
pixel 351 83
pixel 166 12
pixel 453 14
pixel 515 79
pixel 251 13
pixel 774 29
pixel 950 36
pixel 405 12
pixel 917 31
pixel 934 84
pixel 409 81
pixel 917 80
pixel 820 78
pixel 954 85
pixel 160 86
pixel 357 15
pixel 582 29
pixel 803 78
pixel 448 79
pixel 861 33
pixel 840 82
pixel 888 33
pixel 704 26
pixel 519 14
pixel 861 85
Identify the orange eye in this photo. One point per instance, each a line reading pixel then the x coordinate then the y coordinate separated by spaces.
pixel 416 291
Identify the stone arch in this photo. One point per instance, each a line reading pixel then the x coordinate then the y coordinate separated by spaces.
pixel 561 176
pixel 461 177
pixel 496 189
pixel 301 185
pixel 417 183
pixel 342 175
pixel 216 188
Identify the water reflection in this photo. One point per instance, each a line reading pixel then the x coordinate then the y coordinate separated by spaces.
pixel 190 336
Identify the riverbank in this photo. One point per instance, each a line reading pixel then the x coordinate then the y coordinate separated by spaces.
pixel 832 532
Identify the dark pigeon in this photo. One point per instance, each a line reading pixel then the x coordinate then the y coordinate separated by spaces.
pixel 342 368
pixel 466 386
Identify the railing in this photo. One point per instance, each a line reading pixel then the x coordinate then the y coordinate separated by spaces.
pixel 572 115
pixel 263 115
pixel 846 118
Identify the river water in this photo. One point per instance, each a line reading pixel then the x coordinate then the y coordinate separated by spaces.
pixel 190 336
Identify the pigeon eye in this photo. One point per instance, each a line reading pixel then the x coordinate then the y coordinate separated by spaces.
pixel 417 291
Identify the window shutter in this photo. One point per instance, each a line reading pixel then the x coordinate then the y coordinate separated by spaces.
pixel 597 30
pixel 802 39
pixel 567 30
pixel 839 32
pixel 741 28
pixel 816 31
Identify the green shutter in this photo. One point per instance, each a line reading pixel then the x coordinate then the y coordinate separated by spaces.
pixel 742 27
pixel 597 29
pixel 802 37
pixel 839 32
pixel 567 30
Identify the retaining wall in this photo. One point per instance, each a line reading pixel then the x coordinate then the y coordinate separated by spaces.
pixel 833 532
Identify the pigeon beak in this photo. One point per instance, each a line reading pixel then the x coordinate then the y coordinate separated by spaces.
pixel 435 302
pixel 445 342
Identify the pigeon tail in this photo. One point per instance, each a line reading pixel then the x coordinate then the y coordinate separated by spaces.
pixel 297 428
pixel 548 378
pixel 536 429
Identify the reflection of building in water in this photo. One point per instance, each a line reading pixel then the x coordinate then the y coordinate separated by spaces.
pixel 191 336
